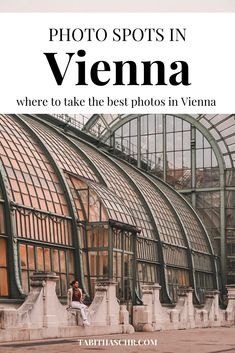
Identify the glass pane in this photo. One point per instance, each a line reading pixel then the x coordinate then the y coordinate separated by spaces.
pixel 40 259
pixel 170 142
pixel 169 123
pixel 133 130
pixel 144 121
pixel 2 222
pixel 151 123
pixel 151 143
pixel 3 282
pixel 89 236
pixel 127 267
pixel 178 141
pixel 159 124
pixel 159 143
pixel 63 285
pixel 186 140
pixel 144 144
pixel 207 158
pixel 62 261
pixel 178 124
pixel 98 236
pixel 84 259
pixel 140 272
pixel 94 207
pixel 3 259
pixel 114 264
pixel 118 264
pixel 70 256
pixel 57 288
pixel 199 158
pixel 56 261
pixel 105 236
pixel 23 256
pixel 125 130
pixel 93 263
pixel 178 161
pixel 31 258
pixel 149 274
pixel 103 263
pixel 187 159
pixel 47 259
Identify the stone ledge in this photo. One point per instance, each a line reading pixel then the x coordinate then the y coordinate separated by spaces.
pixel 13 335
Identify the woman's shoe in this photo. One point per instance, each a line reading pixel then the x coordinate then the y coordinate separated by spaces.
pixel 86 323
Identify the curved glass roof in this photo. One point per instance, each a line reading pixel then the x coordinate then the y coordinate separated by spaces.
pixel 220 126
pixel 64 153
pixel 196 239
pixel 75 157
pixel 116 209
pixel 32 180
pixel 169 232
pixel 119 183
pixel 85 159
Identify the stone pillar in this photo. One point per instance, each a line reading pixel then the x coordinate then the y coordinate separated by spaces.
pixel 113 306
pixel 147 294
pixel 48 281
pixel 48 304
pixel 123 315
pixel 142 318
pixel 147 313
pixel 151 298
pixel 34 304
pixel 230 311
pixel 30 313
pixel 41 308
pixel 157 308
pixel 212 308
pixel 148 317
pixel 185 308
pixel 104 309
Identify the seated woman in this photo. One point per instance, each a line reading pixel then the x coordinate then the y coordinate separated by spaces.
pixel 74 300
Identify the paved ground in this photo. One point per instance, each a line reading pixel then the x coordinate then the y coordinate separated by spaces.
pixel 214 340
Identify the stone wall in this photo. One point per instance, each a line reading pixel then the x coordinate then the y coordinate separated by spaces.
pixel 153 316
pixel 42 315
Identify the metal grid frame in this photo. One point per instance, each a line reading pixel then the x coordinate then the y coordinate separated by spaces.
pixel 216 133
pixel 129 197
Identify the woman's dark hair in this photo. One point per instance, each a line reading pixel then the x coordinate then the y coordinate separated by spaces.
pixel 73 282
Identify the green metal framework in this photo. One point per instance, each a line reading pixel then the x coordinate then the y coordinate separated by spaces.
pixel 210 135
pixel 83 212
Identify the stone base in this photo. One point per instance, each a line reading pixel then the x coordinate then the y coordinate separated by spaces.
pixel 42 316
pixel 184 315
pixel 13 335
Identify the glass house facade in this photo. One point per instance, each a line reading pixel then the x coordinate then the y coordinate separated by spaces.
pixel 86 209
pixel 193 153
